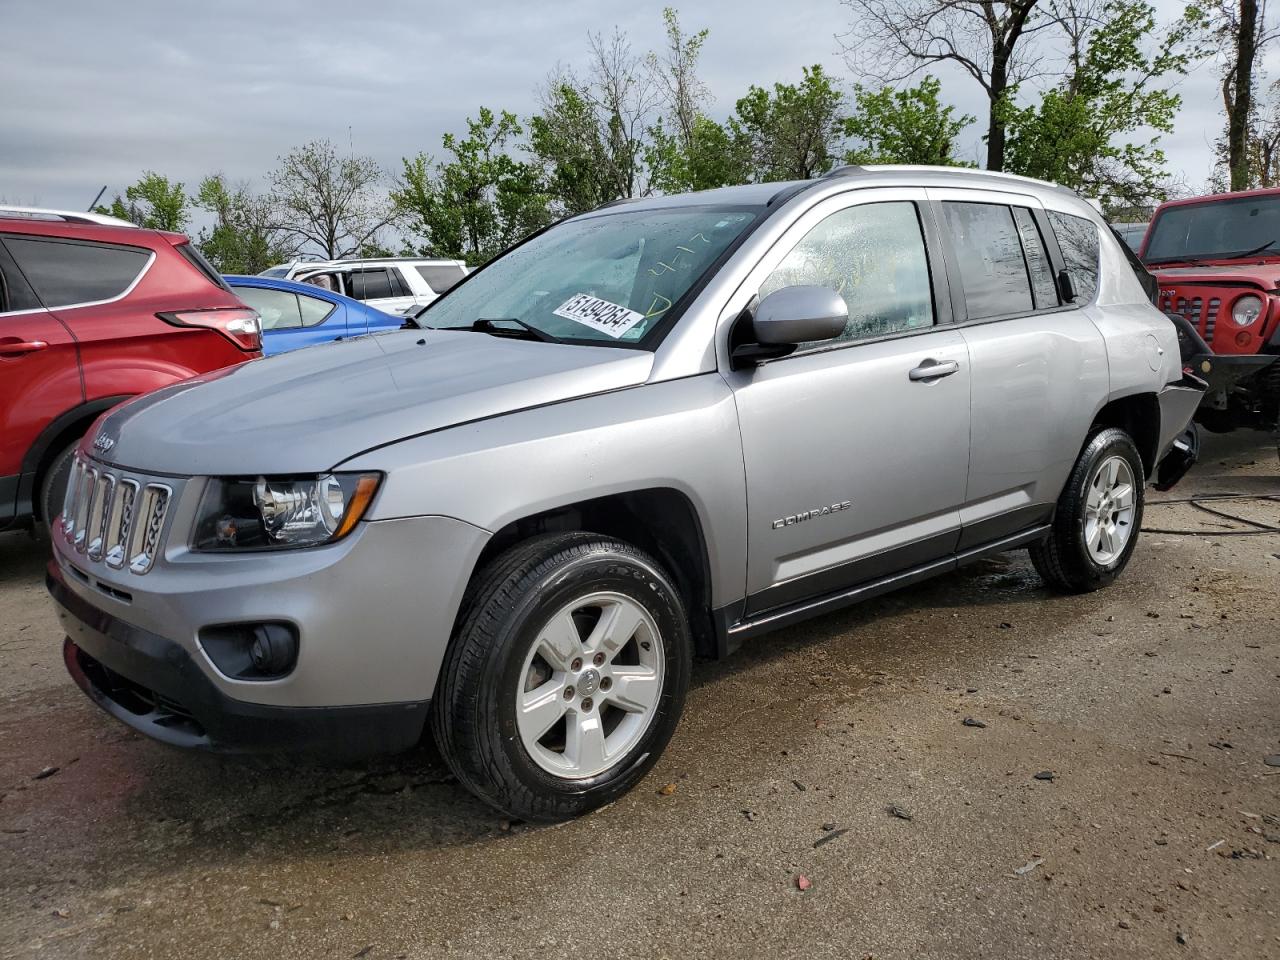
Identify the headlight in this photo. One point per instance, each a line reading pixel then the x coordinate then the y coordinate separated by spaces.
pixel 1246 310
pixel 278 512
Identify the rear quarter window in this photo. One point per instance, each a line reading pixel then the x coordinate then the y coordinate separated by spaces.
pixel 1078 240
pixel 69 272
pixel 442 276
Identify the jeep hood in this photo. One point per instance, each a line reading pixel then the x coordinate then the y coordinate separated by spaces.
pixel 309 410
pixel 1263 275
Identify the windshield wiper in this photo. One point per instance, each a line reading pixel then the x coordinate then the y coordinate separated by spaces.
pixel 522 331
pixel 1201 258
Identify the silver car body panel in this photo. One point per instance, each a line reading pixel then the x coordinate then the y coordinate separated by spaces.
pixel 475 432
pixel 306 410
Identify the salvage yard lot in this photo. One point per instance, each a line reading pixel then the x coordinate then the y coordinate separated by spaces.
pixel 1149 709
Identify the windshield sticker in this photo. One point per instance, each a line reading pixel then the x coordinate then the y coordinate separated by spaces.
pixel 609 318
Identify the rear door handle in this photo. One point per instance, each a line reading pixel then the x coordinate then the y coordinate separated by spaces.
pixel 15 348
pixel 933 370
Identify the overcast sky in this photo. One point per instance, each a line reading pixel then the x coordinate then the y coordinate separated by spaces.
pixel 95 93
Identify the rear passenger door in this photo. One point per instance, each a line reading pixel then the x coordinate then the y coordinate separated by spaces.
pixel 1038 363
pixel 381 289
pixel 856 449
pixel 39 377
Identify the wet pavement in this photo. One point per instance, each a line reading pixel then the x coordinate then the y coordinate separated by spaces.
pixel 1153 830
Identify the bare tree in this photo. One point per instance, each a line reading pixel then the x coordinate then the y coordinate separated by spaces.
pixel 625 98
pixel 675 73
pixel 894 39
pixel 330 201
pixel 1242 27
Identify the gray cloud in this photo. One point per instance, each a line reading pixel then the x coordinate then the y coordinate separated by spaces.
pixel 97 93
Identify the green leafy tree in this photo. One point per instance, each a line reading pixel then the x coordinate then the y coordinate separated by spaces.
pixel 988 40
pixel 153 202
pixel 589 136
pixel 909 125
pixel 1087 132
pixel 246 235
pixel 481 200
pixel 329 202
pixel 791 133
pixel 687 149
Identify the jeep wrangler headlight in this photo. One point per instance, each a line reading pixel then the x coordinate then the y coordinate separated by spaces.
pixel 280 512
pixel 1246 310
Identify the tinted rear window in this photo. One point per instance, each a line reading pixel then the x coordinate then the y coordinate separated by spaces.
pixel 370 284
pixel 442 276
pixel 67 272
pixel 15 293
pixel 989 250
pixel 1078 239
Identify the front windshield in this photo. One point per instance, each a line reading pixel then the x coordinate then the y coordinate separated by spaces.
pixel 1217 229
pixel 608 279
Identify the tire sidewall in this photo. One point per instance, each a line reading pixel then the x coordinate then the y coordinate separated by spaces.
pixel 602 570
pixel 53 485
pixel 1108 443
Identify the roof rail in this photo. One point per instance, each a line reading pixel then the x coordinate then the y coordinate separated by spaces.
pixel 615 203
pixel 844 170
pixel 66 216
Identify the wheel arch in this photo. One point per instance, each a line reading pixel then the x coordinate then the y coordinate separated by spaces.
pixel 662 521
pixel 60 431
pixel 1137 414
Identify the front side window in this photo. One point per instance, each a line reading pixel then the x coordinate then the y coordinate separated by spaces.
pixel 1078 240
pixel 988 250
pixel 873 255
pixel 612 278
pixel 65 272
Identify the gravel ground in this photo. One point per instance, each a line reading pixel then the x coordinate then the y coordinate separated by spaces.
pixel 1153 830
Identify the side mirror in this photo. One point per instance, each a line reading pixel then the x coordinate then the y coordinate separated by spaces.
pixel 1066 286
pixel 791 316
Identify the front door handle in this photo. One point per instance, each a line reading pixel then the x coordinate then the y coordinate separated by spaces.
pixel 16 348
pixel 933 370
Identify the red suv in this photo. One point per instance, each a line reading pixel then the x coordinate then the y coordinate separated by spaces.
pixel 94 311
pixel 1217 260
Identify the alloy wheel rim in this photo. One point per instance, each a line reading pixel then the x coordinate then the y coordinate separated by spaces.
pixel 1109 510
pixel 590 685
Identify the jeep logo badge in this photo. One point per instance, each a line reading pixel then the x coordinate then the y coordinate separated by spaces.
pixel 102 443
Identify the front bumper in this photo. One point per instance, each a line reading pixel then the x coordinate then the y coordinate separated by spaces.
pixel 154 686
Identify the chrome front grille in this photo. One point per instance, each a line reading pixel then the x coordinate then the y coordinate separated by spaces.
pixel 114 519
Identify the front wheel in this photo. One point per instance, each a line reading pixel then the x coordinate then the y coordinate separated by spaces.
pixel 565 678
pixel 1099 513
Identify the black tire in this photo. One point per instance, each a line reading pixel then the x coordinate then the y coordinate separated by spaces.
pixel 1063 559
pixel 474 708
pixel 53 487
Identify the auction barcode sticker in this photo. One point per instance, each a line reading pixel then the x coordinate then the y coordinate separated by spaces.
pixel 609 318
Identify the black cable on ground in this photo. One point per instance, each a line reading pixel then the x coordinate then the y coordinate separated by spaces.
pixel 1199 501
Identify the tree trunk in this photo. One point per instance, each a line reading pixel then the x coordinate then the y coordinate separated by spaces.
pixel 1242 101
pixel 995 125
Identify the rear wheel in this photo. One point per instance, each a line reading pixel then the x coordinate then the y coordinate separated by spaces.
pixel 565 678
pixel 1099 513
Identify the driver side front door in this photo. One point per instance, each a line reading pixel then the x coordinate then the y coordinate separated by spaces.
pixel 857 449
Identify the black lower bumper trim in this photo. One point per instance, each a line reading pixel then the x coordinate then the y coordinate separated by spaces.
pixel 154 686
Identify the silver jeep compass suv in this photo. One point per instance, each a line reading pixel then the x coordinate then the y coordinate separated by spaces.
pixel 647 432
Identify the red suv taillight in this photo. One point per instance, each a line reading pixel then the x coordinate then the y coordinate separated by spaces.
pixel 240 325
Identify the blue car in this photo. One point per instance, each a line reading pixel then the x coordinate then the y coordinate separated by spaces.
pixel 301 314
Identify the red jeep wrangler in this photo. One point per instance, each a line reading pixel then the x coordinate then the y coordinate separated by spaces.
pixel 1217 261
pixel 93 311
